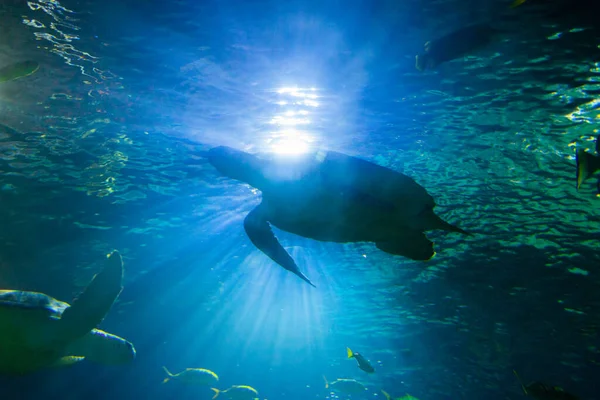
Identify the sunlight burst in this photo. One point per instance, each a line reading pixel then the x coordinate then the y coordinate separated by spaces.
pixel 294 102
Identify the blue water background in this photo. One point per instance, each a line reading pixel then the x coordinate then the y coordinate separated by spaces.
pixel 113 118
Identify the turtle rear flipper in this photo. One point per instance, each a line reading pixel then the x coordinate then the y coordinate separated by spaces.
pixel 430 220
pixel 90 308
pixel 103 348
pixel 261 235
pixel 413 245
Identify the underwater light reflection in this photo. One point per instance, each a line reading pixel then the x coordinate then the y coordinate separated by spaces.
pixel 290 146
pixel 294 111
pixel 264 311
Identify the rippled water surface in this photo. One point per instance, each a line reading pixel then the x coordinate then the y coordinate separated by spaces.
pixel 102 148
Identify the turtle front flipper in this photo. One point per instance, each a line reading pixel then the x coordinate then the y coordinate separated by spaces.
pixel 90 308
pixel 261 235
pixel 103 348
pixel 413 245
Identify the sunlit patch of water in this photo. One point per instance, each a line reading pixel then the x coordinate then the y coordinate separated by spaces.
pixel 293 120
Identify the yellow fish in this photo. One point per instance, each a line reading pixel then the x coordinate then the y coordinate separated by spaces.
pixel 344 385
pixel 405 397
pixel 237 392
pixel 363 363
pixel 195 376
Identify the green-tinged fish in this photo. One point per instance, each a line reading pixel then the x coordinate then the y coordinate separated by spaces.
pixel 18 70
pixel 405 397
pixel 362 361
pixel 346 386
pixel 454 45
pixel 237 392
pixel 195 376
pixel 517 3
pixel 587 164
pixel 540 391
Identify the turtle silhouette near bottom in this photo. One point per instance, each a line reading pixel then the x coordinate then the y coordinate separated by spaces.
pixel 332 197
pixel 38 331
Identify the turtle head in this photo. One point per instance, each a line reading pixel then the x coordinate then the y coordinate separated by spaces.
pixel 236 164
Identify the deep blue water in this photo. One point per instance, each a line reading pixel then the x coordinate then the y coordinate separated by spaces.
pixel 102 149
